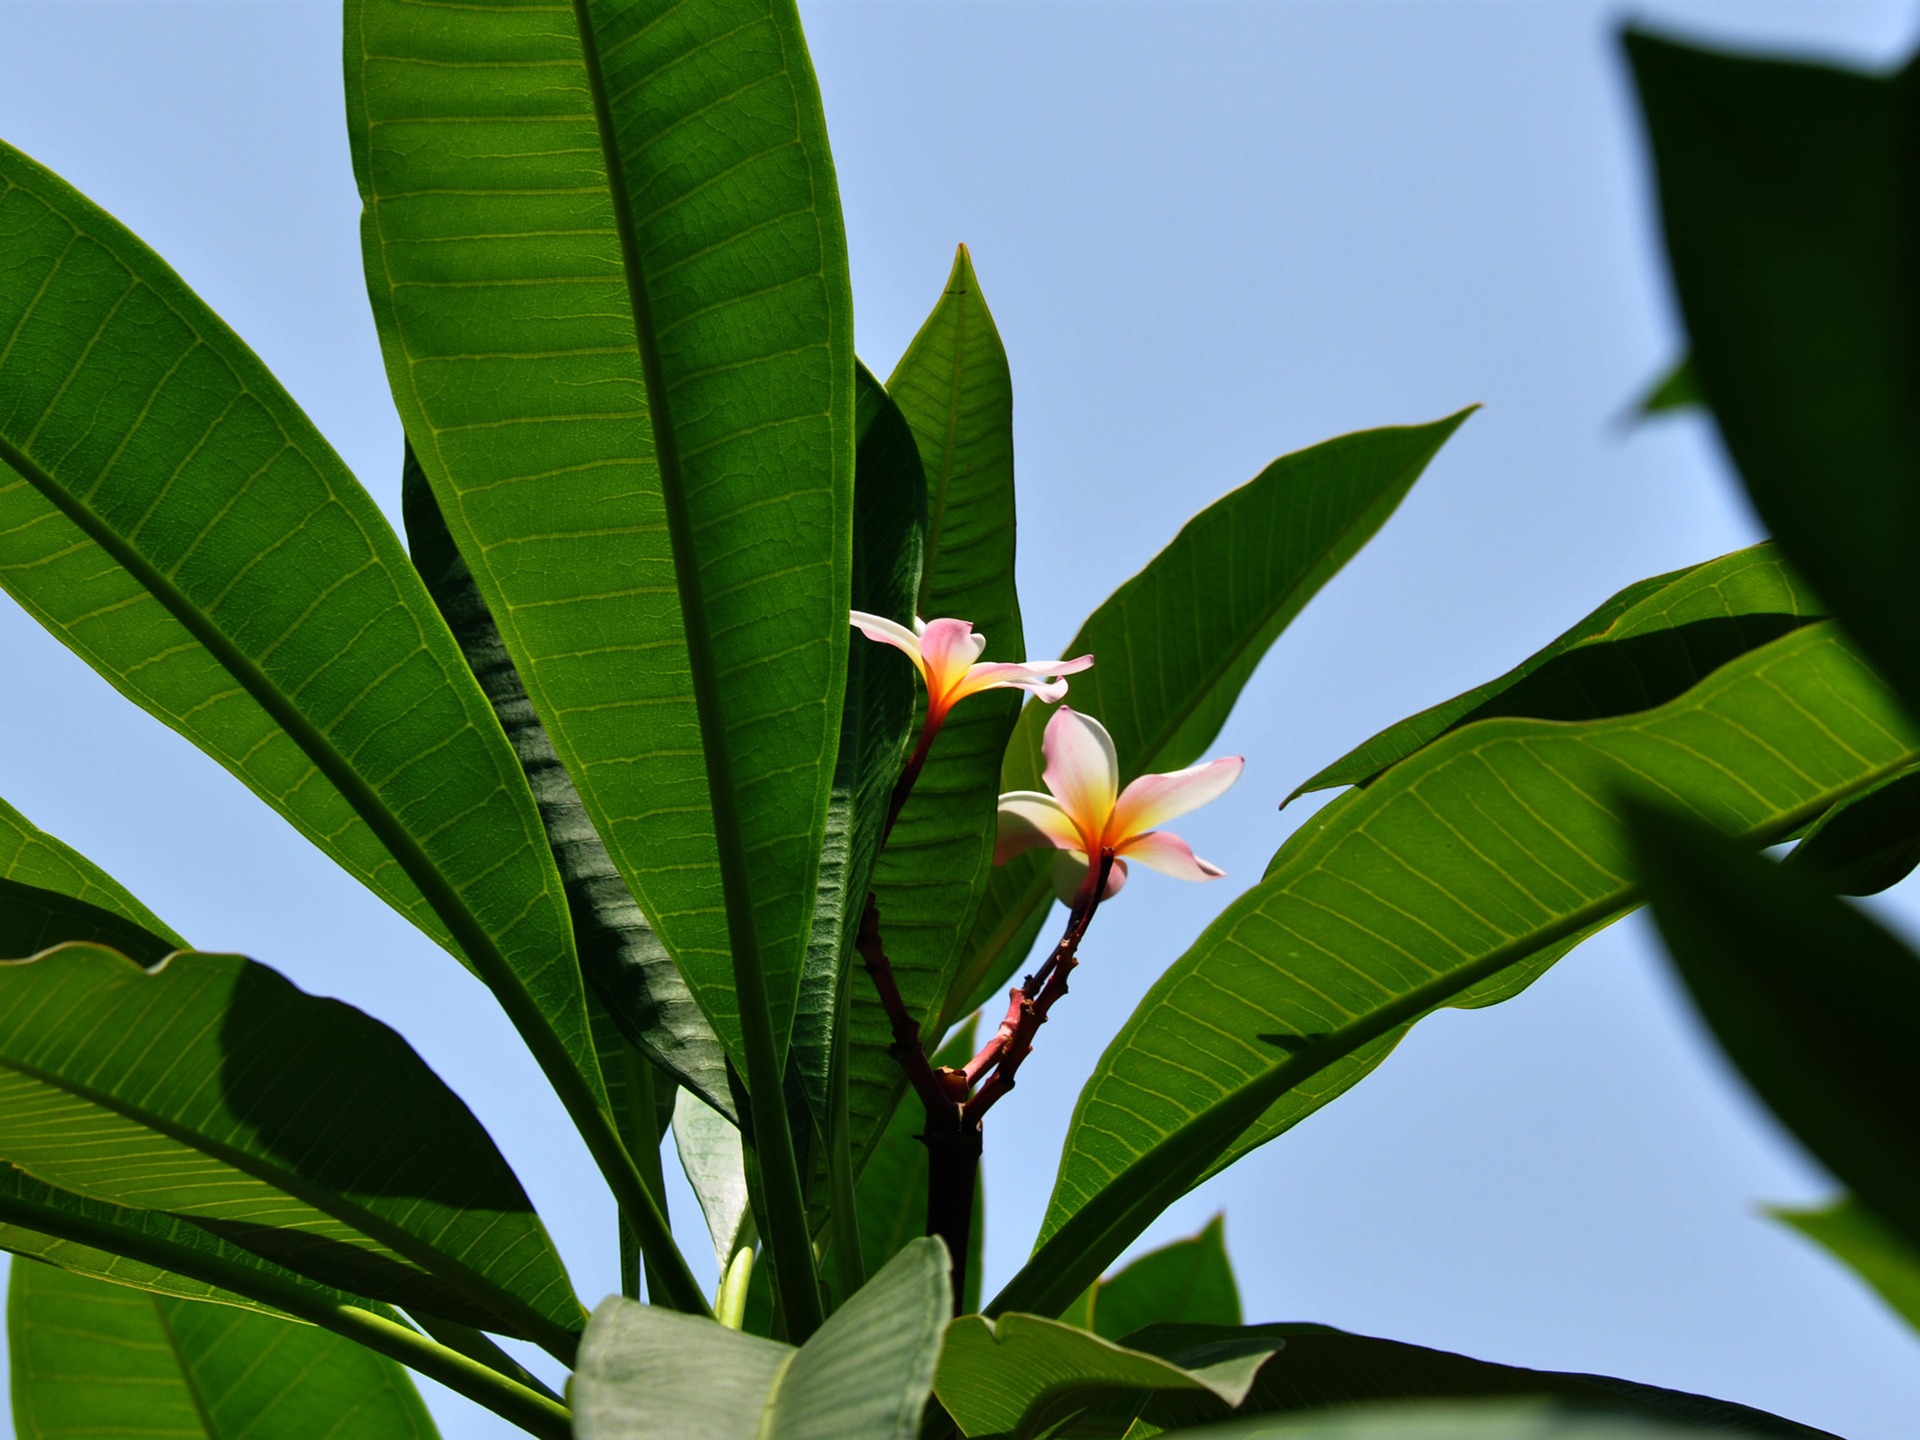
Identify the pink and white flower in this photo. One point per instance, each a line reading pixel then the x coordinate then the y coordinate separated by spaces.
pixel 1088 814
pixel 946 652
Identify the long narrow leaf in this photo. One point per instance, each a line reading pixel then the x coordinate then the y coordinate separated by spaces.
pixel 1174 646
pixel 1493 845
pixel 169 514
pixel 293 1127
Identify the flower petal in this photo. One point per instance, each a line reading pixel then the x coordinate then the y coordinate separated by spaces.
pixel 1155 799
pixel 949 648
pixel 887 632
pixel 1166 852
pixel 1070 873
pixel 1082 769
pixel 1005 675
pixel 1030 820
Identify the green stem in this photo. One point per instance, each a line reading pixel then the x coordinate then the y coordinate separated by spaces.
pixel 730 1302
pixel 504 1396
pixel 587 1110
pixel 784 1225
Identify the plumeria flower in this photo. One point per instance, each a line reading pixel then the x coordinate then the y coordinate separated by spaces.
pixel 946 652
pixel 1088 813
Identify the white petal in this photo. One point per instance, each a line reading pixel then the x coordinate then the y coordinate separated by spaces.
pixel 1082 769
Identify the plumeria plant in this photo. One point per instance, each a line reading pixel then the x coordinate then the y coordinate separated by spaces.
pixel 743 881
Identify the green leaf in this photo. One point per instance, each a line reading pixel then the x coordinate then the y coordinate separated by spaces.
pixel 889 528
pixel 1189 1282
pixel 1530 1419
pixel 1317 1366
pixel 29 856
pixel 295 1127
pixel 955 389
pixel 507 267
pixel 1786 192
pixel 1675 390
pixel 147 1250
pixel 1646 645
pixel 95 1359
pixel 1023 1375
pixel 864 1375
pixel 1810 999
pixel 1851 1233
pixel 1492 846
pixel 1867 845
pixel 1174 646
pixel 621 957
pixel 168 513
pixel 710 1153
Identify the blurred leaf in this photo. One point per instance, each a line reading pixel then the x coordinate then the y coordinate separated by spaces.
pixel 889 531
pixel 1459 1420
pixel 1174 645
pixel 1850 1233
pixel 956 392
pixel 1492 846
pixel 1189 1282
pixel 1022 1375
pixel 1813 1002
pixel 1675 390
pixel 1317 1366
pixel 645 1373
pixel 1868 844
pixel 1787 195
pixel 92 1359
pixel 620 956
pixel 1645 646
pixel 168 513
pixel 295 1127
pixel 586 362
pixel 711 1154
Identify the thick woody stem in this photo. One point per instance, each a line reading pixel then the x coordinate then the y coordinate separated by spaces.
pixel 1028 1007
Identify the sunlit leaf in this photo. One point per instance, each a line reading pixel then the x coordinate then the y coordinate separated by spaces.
pixel 864 1375
pixel 92 1359
pixel 1850 1233
pixel 1491 847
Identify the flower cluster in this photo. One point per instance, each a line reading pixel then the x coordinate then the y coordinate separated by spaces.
pixel 1087 817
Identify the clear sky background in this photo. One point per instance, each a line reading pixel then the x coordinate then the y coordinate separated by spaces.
pixel 1210 235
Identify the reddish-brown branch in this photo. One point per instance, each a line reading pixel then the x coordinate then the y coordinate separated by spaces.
pixel 907 1051
pixel 1029 1004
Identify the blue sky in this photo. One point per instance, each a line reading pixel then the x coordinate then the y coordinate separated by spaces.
pixel 1211 235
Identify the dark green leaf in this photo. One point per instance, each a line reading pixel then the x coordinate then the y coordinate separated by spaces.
pixel 1189 1282
pixel 646 1373
pixel 1867 845
pixel 565 441
pixel 1022 1375
pixel 1675 390
pixel 1849 1232
pixel 1813 1002
pixel 1317 1366
pixel 1643 647
pixel 621 957
pixel 1493 845
pixel 1458 1420
pixel 294 1127
pixel 1788 198
pixel 955 389
pixel 92 1359
pixel 1174 646
pixel 889 531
